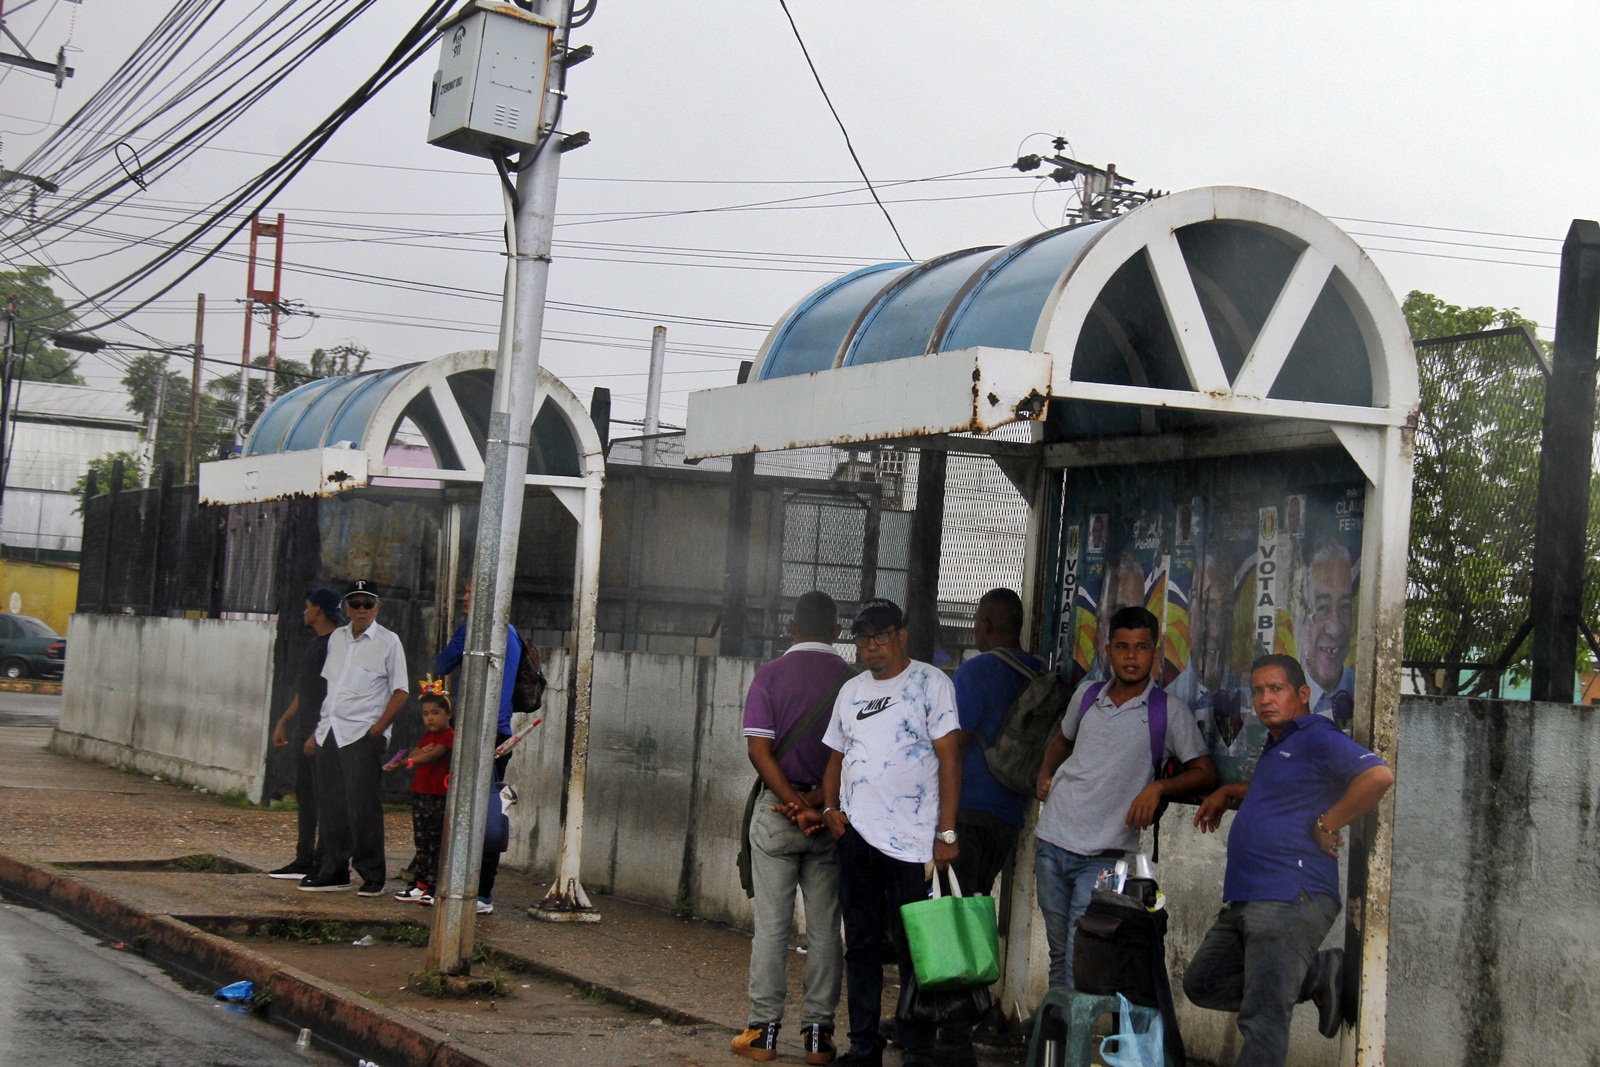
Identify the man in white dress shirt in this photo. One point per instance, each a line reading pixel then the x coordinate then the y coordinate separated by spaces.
pixel 367 687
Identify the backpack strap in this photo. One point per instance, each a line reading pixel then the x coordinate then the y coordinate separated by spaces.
pixel 823 705
pixel 1158 728
pixel 1010 659
pixel 1090 695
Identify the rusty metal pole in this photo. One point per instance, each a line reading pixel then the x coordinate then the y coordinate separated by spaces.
pixel 531 220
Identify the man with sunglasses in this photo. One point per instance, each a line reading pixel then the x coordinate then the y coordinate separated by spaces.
pixel 367 687
pixel 891 789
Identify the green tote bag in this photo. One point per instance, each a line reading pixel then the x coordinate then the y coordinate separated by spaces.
pixel 954 940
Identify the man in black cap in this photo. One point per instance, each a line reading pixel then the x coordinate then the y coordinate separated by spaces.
pixel 323 617
pixel 892 787
pixel 367 686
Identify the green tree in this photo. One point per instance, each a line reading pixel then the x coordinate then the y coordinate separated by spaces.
pixel 101 469
pixel 39 309
pixel 1475 493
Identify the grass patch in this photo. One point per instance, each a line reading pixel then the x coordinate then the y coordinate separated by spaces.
pixel 414 935
pixel 235 798
pixel 491 982
pixel 204 863
pixel 309 931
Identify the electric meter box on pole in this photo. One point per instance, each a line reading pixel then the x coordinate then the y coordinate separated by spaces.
pixel 488 94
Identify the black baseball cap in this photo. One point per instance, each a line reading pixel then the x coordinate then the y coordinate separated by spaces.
pixel 326 599
pixel 362 586
pixel 877 615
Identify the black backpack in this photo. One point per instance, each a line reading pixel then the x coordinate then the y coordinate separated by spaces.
pixel 1018 749
pixel 527 692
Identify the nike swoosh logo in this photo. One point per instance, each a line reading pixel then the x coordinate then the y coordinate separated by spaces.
pixel 865 714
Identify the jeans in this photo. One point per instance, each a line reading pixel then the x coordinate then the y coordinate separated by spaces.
pixel 1257 960
pixel 489 868
pixel 872 887
pixel 351 808
pixel 782 859
pixel 1064 882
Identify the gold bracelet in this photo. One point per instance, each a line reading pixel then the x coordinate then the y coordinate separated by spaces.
pixel 1322 827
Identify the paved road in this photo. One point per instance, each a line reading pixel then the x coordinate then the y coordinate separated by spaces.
pixel 67 999
pixel 29 709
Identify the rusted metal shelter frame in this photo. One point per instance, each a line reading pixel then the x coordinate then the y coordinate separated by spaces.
pixel 897 377
pixel 296 449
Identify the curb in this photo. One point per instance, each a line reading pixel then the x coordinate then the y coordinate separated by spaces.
pixel 14 685
pixel 296 999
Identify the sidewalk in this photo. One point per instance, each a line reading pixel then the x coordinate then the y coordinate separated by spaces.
pixel 640 987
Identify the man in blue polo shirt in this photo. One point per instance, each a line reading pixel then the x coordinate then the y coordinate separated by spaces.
pixel 1281 888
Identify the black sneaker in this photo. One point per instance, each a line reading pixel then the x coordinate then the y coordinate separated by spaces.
pixel 312 883
pixel 1328 992
pixel 819 1045
pixel 372 888
pixel 759 1042
pixel 294 871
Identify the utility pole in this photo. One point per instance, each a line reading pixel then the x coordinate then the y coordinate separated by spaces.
pixel 531 211
pixel 154 425
pixel 253 296
pixel 5 398
pixel 1102 192
pixel 26 61
pixel 194 385
pixel 652 403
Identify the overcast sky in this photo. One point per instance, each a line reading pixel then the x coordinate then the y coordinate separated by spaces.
pixel 1454 141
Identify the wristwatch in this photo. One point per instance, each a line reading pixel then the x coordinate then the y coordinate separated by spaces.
pixel 947 836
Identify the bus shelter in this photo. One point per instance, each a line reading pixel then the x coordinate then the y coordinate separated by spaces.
pixel 422 429
pixel 1211 404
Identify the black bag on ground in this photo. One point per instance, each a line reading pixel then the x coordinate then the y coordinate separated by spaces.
pixel 1120 948
pixel 966 1006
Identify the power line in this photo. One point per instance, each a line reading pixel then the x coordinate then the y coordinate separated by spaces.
pixel 835 111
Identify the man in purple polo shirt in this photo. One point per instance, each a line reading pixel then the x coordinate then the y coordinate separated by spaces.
pixel 787 851
pixel 1281 888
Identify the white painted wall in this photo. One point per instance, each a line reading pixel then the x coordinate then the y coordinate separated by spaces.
pixel 184 698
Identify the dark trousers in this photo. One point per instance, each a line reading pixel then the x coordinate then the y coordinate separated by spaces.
pixel 1259 959
pixel 427 834
pixel 872 887
pixel 986 842
pixel 307 845
pixel 489 869
pixel 351 807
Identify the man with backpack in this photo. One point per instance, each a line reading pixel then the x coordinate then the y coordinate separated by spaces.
pixel 991 813
pixel 1101 778
pixel 445 663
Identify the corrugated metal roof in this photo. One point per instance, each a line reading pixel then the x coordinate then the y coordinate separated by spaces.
pixel 80 405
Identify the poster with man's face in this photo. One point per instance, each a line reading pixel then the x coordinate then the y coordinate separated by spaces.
pixel 1232 569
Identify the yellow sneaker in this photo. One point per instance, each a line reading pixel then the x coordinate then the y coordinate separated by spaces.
pixel 759 1042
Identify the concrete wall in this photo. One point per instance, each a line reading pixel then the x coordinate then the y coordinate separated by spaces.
pixel 186 698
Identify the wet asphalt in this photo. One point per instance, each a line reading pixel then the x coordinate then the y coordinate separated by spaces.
pixel 66 998
pixel 29 709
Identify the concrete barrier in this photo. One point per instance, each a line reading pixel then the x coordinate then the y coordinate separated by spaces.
pixel 184 698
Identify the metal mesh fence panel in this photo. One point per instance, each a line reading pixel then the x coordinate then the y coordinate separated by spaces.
pixel 1474 496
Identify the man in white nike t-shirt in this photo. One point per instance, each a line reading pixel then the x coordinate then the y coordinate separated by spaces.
pixel 892 788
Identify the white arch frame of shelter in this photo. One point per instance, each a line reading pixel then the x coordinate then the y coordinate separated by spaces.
pixel 580 495
pixel 1378 438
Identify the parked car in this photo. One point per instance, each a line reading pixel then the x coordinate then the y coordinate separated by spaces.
pixel 30 649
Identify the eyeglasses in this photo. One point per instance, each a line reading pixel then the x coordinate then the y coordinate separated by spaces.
pixel 878 640
pixel 361 605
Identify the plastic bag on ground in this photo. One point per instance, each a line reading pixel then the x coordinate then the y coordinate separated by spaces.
pixel 1139 1040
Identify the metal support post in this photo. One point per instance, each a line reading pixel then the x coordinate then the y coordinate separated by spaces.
pixel 652 403
pixel 1565 465
pixel 566 901
pixel 736 570
pixel 499 529
pixel 194 386
pixel 927 540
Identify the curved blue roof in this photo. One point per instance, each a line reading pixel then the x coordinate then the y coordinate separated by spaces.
pixel 322 413
pixel 977 297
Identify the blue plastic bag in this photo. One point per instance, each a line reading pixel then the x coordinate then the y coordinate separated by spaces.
pixel 1139 1040
pixel 238 991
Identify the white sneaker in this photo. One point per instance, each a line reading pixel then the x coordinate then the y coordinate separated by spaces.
pixel 485 907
